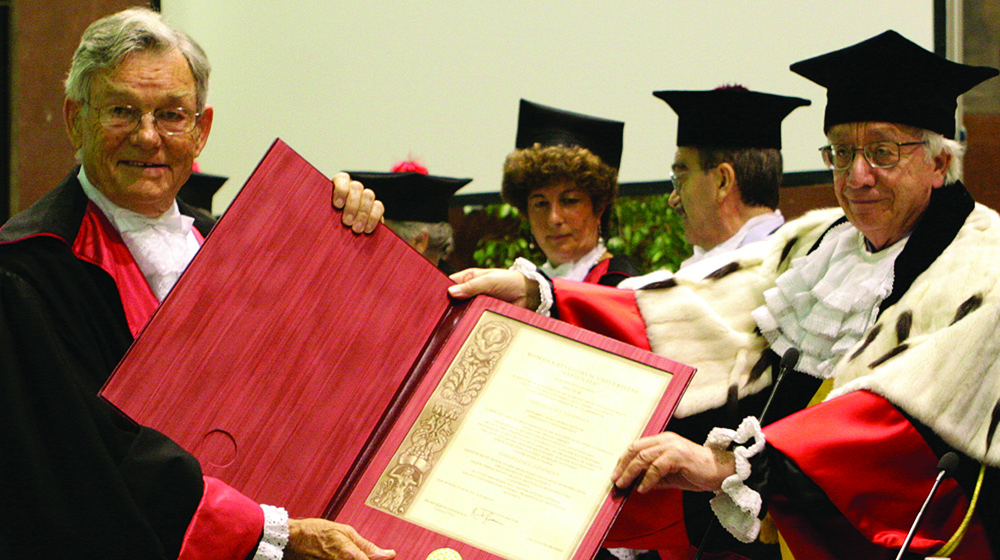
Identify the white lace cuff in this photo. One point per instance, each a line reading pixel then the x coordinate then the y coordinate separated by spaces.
pixel 529 270
pixel 738 506
pixel 272 543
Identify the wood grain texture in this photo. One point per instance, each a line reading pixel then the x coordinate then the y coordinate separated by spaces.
pixel 289 333
pixel 290 341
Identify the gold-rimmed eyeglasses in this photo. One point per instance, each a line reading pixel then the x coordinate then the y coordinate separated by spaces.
pixel 125 118
pixel 882 154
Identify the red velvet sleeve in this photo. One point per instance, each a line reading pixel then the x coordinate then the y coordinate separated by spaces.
pixel 226 525
pixel 654 520
pixel 602 309
pixel 600 269
pixel 876 469
pixel 647 521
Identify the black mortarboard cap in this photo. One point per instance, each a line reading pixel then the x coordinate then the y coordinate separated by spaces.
pixel 549 126
pixel 200 188
pixel 889 78
pixel 411 196
pixel 730 117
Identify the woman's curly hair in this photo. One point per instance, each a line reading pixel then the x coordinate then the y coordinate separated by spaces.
pixel 540 166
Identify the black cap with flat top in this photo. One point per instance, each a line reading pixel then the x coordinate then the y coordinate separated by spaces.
pixel 729 116
pixel 549 126
pixel 200 188
pixel 412 196
pixel 889 78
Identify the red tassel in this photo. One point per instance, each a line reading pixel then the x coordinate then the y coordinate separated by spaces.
pixel 409 166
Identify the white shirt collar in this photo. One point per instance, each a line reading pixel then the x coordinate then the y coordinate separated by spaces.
pixel 162 246
pixel 124 219
pixel 755 229
pixel 578 269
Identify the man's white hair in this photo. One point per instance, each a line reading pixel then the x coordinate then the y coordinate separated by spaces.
pixel 109 40
pixel 439 234
pixel 938 144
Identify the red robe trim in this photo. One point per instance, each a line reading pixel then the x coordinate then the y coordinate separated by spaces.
pixel 226 525
pixel 652 521
pixel 655 521
pixel 877 470
pixel 99 243
pixel 602 309
pixel 599 269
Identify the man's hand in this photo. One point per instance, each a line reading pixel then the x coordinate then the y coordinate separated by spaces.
pixel 315 539
pixel 361 211
pixel 508 285
pixel 667 460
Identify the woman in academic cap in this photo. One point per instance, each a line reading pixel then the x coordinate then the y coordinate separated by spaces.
pixel 563 175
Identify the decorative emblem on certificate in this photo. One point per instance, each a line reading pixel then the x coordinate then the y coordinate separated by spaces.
pixel 444 554
pixel 485 431
pixel 445 410
pixel 512 450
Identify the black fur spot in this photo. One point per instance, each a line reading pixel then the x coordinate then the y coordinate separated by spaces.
pixel 724 271
pixel 871 338
pixel 661 285
pixel 968 306
pixel 788 248
pixel 903 326
pixel 760 367
pixel 889 355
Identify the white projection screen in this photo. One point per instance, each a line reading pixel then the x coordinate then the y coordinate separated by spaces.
pixel 362 85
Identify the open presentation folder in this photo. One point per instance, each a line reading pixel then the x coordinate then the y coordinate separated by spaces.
pixel 330 373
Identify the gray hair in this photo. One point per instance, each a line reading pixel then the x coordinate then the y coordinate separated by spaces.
pixel 440 234
pixel 109 40
pixel 936 144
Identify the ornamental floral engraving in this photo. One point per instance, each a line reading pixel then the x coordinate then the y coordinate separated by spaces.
pixel 441 417
pixel 467 377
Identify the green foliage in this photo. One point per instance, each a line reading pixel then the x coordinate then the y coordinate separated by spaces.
pixel 511 238
pixel 646 229
pixel 650 232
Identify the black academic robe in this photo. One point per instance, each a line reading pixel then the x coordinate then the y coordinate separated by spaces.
pixel 610 272
pixel 79 479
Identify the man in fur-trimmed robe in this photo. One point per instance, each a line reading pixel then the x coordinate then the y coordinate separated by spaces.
pixel 727 169
pixel 894 297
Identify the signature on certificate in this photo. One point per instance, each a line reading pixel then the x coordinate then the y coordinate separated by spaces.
pixel 485 516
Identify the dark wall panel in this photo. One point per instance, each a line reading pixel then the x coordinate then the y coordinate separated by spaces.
pixel 43 38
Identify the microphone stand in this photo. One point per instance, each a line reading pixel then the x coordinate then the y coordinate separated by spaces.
pixel 946 468
pixel 788 362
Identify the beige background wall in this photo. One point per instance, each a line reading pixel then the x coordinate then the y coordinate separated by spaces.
pixel 361 85
pixel 44 35
pixel 350 96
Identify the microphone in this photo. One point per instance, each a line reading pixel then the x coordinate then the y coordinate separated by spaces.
pixel 788 363
pixel 946 469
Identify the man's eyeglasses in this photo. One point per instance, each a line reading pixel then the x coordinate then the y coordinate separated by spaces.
pixel 881 155
pixel 125 118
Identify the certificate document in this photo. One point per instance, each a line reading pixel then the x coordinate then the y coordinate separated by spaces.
pixel 338 379
pixel 513 452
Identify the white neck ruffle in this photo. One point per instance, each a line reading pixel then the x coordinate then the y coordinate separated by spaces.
pixel 578 269
pixel 825 302
pixel 162 246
